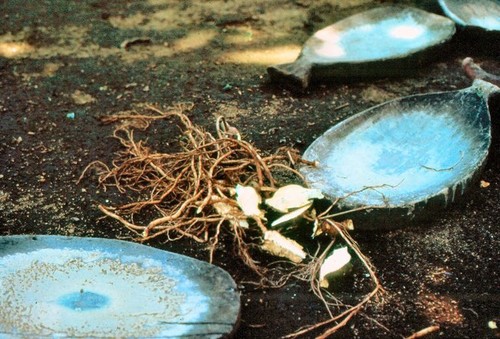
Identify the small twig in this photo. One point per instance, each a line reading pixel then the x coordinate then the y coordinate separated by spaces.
pixel 125 223
pixel 345 316
pixel 215 240
pixel 424 332
pixel 357 209
pixel 93 164
pixel 341 106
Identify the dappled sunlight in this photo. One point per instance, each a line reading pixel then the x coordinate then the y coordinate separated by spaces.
pixel 14 49
pixel 194 40
pixel 72 41
pixel 71 45
pixel 49 69
pixel 129 22
pixel 171 18
pixel 145 52
pixel 159 20
pixel 160 2
pixel 240 36
pixel 341 4
pixel 263 56
pixel 280 20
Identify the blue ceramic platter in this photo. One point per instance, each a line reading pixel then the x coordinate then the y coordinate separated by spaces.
pixel 384 41
pixel 55 286
pixel 482 14
pixel 406 155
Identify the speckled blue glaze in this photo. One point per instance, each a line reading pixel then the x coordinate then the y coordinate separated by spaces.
pixel 55 286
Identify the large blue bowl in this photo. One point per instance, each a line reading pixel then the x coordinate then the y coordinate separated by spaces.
pixel 59 287
pixel 404 158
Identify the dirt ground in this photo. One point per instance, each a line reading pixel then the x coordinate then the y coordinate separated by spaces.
pixel 64 64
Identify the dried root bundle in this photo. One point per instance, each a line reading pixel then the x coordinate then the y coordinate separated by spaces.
pixel 216 184
pixel 192 190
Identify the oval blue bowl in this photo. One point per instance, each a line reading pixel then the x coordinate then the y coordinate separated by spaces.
pixel 70 287
pixel 405 158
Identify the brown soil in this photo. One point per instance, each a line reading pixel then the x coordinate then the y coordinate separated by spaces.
pixel 62 67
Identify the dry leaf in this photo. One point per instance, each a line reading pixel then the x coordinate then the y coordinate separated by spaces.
pixel 484 184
